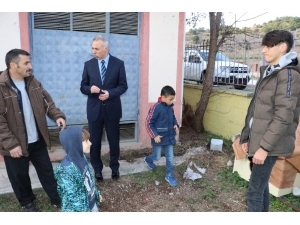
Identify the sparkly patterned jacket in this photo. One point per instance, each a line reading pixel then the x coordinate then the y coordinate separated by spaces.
pixel 71 188
pixel 76 184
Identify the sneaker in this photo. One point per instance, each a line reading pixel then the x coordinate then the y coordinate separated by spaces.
pixel 29 207
pixel 151 165
pixel 171 181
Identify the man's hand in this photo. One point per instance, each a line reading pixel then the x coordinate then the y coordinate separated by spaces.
pixel 16 152
pixel 61 122
pixel 245 147
pixel 176 129
pixel 104 96
pixel 100 198
pixel 157 139
pixel 260 156
pixel 95 89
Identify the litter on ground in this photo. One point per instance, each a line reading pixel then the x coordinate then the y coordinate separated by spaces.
pixel 190 174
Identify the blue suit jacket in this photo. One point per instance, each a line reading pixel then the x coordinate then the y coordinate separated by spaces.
pixel 115 83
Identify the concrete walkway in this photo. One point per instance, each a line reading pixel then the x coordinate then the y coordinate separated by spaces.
pixel 137 166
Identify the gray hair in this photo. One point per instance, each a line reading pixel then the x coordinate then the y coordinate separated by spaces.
pixel 100 37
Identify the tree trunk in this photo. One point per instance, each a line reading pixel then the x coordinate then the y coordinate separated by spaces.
pixel 215 22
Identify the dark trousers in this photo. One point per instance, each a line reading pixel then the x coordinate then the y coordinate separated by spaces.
pixel 258 196
pixel 113 135
pixel 18 173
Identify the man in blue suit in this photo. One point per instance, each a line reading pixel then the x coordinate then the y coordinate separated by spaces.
pixel 104 81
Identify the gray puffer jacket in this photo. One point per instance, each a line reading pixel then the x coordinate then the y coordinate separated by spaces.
pixel 273 113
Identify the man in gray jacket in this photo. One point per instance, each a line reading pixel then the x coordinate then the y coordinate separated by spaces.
pixel 272 116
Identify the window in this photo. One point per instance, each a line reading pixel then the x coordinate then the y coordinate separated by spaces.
pixel 119 22
pixel 124 23
pixel 90 22
pixel 52 21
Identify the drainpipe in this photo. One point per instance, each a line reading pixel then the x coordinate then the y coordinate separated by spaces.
pixel 182 82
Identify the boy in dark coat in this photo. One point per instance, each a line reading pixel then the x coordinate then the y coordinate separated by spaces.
pixel 162 126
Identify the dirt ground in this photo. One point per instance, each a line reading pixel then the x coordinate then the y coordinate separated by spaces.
pixel 216 191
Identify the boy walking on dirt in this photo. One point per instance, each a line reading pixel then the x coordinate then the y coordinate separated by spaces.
pixel 162 126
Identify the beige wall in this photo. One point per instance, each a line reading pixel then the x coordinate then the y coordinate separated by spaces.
pixel 226 110
pixel 161 62
pixel 163 52
pixel 10 34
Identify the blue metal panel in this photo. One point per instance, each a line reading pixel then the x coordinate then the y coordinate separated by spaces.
pixel 58 58
pixel 126 48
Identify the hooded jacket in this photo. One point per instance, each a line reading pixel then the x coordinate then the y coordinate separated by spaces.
pixel 13 129
pixel 160 121
pixel 75 181
pixel 273 113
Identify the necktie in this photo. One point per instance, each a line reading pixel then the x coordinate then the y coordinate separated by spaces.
pixel 103 70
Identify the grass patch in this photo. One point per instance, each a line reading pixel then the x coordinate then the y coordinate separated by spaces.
pixel 147 177
pixel 206 183
pixel 180 168
pixel 230 179
pixel 277 206
pixel 295 200
pixel 9 203
pixel 209 195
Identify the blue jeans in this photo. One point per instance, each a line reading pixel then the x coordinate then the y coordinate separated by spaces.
pixel 258 196
pixel 169 154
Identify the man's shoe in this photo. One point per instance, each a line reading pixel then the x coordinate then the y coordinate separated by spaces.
pixel 99 177
pixel 29 207
pixel 115 175
pixel 171 181
pixel 151 165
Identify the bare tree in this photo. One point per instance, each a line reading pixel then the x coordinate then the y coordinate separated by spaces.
pixel 217 28
pixel 216 23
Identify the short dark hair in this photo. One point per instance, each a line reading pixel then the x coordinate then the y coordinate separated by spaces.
pixel 85 135
pixel 13 56
pixel 275 37
pixel 166 91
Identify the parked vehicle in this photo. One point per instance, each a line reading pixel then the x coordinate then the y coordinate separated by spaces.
pixel 226 71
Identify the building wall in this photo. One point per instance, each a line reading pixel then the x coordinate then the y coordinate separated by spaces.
pixel 161 56
pixel 24 30
pixel 226 110
pixel 15 27
pixel 162 46
pixel 162 52
pixel 10 34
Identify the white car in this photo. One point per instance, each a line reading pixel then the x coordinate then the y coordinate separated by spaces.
pixel 226 71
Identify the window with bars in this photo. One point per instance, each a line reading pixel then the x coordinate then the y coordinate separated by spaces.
pixel 124 23
pixel 89 22
pixel 52 20
pixel 119 22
